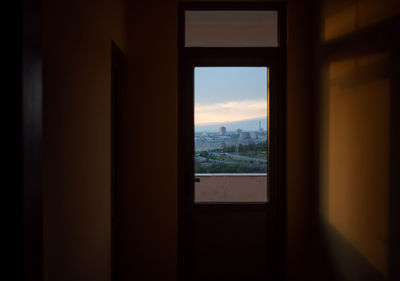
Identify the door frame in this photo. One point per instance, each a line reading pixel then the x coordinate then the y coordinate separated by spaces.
pixel 22 204
pixel 117 90
pixel 218 56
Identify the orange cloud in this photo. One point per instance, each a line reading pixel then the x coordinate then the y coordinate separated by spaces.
pixel 230 111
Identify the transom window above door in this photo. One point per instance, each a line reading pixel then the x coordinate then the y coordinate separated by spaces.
pixel 231 29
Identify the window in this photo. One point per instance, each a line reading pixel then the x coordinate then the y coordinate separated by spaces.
pixel 231 29
pixel 230 136
pixel 231 54
pixel 231 114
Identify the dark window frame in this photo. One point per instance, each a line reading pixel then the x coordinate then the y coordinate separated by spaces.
pixel 244 56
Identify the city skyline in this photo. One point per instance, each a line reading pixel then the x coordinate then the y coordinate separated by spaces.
pixel 245 125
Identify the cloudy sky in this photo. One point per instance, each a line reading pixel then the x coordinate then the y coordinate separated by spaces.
pixel 229 94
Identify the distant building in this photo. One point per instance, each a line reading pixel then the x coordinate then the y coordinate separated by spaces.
pixel 222 131
pixel 244 135
pixel 238 131
pixel 259 127
pixel 253 135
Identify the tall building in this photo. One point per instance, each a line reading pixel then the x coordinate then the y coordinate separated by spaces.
pixel 222 131
pixel 238 131
pixel 259 127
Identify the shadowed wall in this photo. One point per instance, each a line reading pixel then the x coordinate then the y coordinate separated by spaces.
pixel 77 73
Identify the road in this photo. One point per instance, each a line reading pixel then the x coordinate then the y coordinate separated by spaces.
pixel 245 158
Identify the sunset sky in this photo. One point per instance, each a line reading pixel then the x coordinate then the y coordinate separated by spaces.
pixel 228 94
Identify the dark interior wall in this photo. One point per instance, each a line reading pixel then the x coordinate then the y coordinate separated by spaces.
pixel 149 185
pixel 149 171
pixel 76 73
pixel 356 88
pixel 299 128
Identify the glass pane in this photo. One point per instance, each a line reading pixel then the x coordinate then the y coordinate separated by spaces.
pixel 231 29
pixel 231 134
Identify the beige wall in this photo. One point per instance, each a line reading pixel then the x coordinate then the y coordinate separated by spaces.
pixel 77 48
pixel 149 200
pixel 354 88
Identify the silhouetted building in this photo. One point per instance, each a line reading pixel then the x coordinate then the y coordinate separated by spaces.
pixel 259 127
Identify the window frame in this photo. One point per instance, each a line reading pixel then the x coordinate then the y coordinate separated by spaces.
pixel 211 56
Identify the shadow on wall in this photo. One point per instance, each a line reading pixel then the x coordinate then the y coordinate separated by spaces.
pixel 346 262
pixel 357 56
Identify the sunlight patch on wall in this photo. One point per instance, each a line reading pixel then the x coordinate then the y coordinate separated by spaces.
pixel 344 17
pixel 359 134
pixel 341 23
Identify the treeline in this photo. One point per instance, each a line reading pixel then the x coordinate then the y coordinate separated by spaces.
pixel 261 146
pixel 242 148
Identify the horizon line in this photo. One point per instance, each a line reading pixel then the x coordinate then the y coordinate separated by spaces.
pixel 227 122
